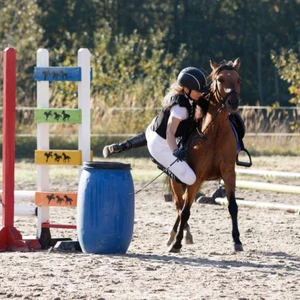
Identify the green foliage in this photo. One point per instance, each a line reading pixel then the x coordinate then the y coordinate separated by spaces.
pixel 128 71
pixel 208 29
pixel 138 46
pixel 132 71
pixel 69 23
pixel 288 64
pixel 18 29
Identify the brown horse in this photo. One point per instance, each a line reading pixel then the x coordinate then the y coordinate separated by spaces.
pixel 213 155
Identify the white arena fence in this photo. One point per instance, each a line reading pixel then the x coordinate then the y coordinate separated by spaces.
pixel 265 186
pixel 260 121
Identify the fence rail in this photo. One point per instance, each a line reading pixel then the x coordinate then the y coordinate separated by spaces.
pixel 158 108
pixel 260 121
pixel 250 134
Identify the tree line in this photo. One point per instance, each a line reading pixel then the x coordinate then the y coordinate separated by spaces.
pixel 139 46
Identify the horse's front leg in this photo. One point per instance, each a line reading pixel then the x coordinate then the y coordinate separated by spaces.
pixel 187 232
pixel 173 231
pixel 188 237
pixel 177 191
pixel 233 210
pixel 184 216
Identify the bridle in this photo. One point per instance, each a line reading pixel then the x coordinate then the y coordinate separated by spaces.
pixel 221 99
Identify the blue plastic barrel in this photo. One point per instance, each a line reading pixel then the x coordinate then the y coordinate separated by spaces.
pixel 105 207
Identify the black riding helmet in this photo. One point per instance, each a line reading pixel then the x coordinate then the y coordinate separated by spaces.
pixel 192 78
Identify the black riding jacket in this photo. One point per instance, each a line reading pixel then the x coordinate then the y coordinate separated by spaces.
pixel 184 127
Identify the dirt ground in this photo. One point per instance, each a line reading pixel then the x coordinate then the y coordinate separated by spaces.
pixel 269 267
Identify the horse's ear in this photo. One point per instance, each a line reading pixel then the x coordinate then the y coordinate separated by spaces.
pixel 237 63
pixel 213 64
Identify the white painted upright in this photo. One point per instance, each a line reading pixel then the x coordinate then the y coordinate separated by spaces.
pixel 84 133
pixel 42 137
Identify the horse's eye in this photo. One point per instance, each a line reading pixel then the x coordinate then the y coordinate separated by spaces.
pixel 220 79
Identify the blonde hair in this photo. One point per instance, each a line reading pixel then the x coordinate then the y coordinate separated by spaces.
pixel 174 89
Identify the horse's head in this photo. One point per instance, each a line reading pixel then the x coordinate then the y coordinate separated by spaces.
pixel 226 83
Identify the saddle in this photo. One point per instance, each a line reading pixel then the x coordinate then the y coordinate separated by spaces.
pixel 238 127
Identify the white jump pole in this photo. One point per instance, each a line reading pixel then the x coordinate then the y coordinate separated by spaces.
pixel 22 210
pixel 263 186
pixel 265 205
pixel 268 173
pixel 272 187
pixel 22 196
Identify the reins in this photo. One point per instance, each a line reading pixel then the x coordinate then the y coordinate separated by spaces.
pixel 212 120
pixel 165 169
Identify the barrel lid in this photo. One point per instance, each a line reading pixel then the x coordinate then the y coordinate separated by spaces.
pixel 106 165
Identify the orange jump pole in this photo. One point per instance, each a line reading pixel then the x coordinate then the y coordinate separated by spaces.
pixel 10 237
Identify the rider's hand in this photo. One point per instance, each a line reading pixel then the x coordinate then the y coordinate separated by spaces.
pixel 181 153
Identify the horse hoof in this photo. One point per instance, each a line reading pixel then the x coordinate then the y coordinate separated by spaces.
pixel 171 238
pixel 174 250
pixel 238 247
pixel 189 239
pixel 170 242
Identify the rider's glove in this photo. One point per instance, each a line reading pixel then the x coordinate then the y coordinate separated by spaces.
pixel 181 154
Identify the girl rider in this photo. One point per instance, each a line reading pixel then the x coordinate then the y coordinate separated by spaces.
pixel 180 111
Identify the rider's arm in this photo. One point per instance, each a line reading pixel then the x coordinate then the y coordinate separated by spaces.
pixel 171 130
pixel 177 114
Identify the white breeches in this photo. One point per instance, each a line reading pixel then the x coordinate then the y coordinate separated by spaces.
pixel 160 151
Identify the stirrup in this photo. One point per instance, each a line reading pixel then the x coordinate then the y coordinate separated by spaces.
pixel 241 163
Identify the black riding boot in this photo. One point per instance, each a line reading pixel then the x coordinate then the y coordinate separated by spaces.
pixel 167 171
pixel 135 142
pixel 239 129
